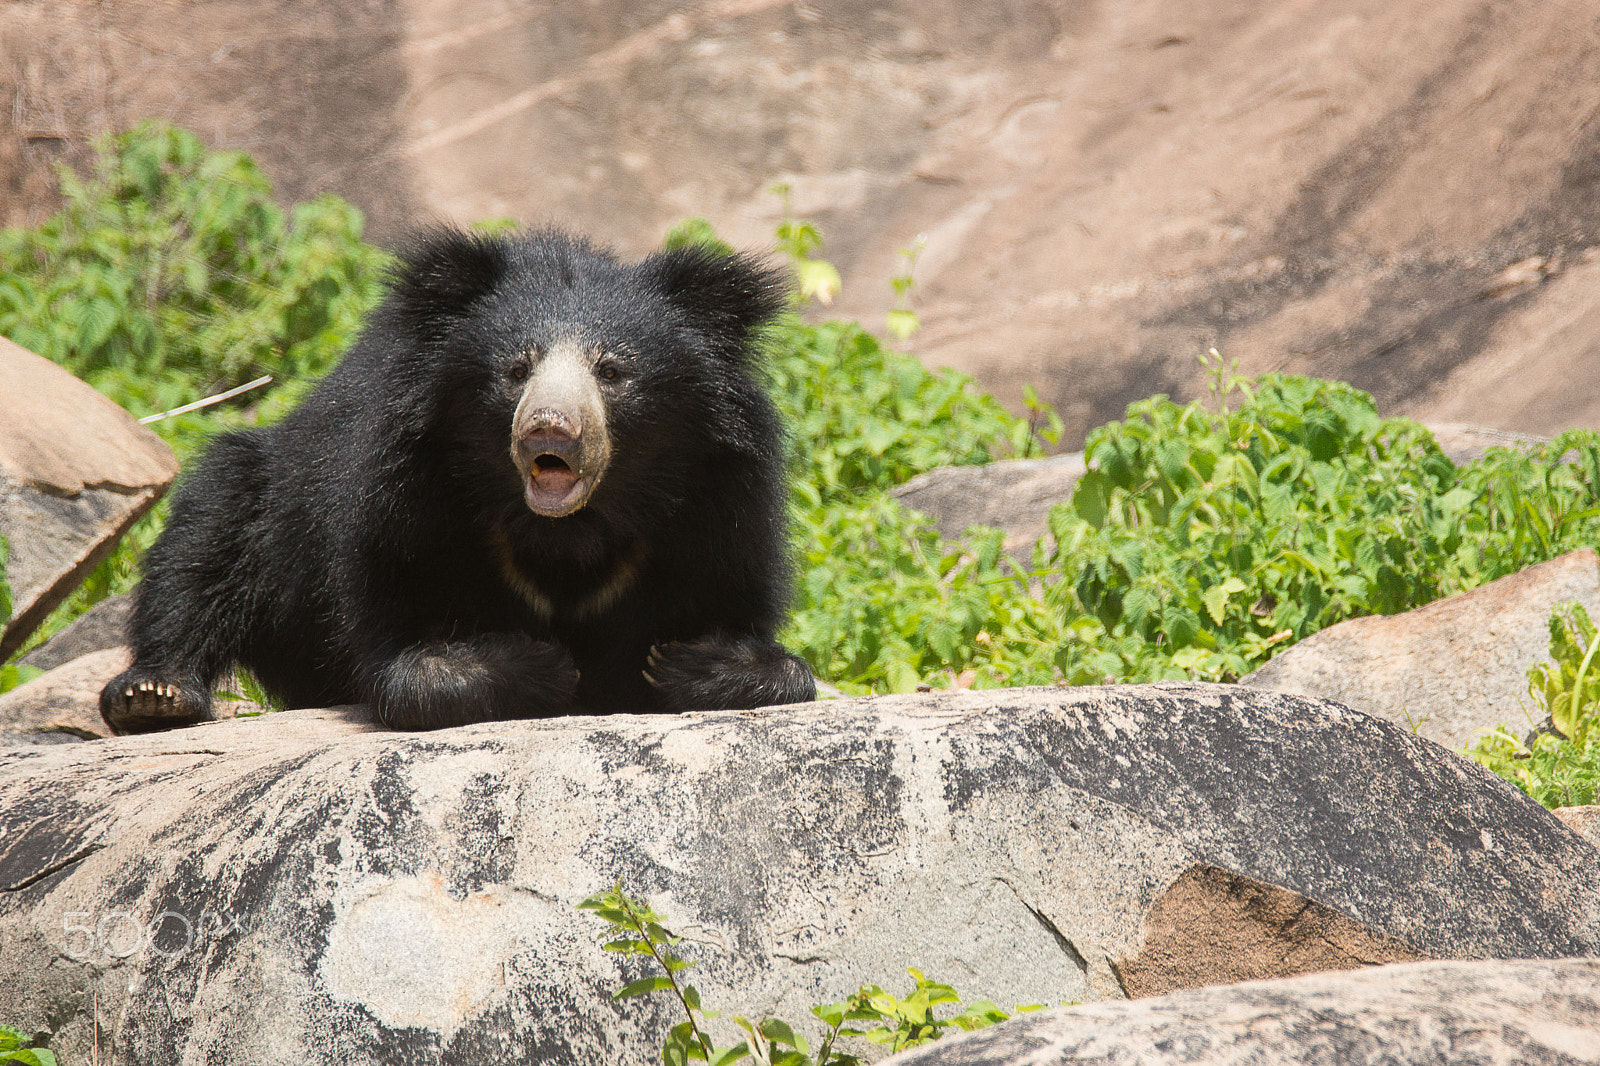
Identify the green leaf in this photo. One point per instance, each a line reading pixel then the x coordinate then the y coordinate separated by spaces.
pixel 902 323
pixel 643 987
pixel 1091 498
pixel 778 1031
pixel 31 1057
pixel 1216 596
pixel 901 676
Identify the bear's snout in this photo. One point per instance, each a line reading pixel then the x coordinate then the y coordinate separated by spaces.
pixel 549 423
pixel 560 463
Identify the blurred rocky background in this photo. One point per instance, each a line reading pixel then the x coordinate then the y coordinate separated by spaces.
pixel 1402 194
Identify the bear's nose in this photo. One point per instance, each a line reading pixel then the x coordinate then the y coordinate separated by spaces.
pixel 550 435
pixel 549 423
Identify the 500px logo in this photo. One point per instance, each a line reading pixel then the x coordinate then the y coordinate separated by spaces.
pixel 120 934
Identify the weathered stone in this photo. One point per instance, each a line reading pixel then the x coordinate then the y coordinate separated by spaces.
pixel 322 892
pixel 1014 495
pixel 1531 1013
pixel 63 703
pixel 100 627
pixel 1212 926
pixel 1463 442
pixel 1450 668
pixel 1583 820
pixel 76 471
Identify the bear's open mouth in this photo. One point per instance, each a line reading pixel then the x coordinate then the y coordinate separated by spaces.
pixel 553 487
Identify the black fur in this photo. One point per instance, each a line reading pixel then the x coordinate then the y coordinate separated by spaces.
pixel 375 546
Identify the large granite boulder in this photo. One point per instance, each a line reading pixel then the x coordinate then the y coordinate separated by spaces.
pixel 1396 194
pixel 1449 669
pixel 1531 1013
pixel 76 471
pixel 305 888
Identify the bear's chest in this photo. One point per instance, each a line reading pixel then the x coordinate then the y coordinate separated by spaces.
pixel 560 593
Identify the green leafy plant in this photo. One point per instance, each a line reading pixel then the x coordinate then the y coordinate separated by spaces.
pixel 902 320
pixel 695 232
pixel 637 930
pixel 1216 537
pixel 1567 686
pixel 816 279
pixel 1561 767
pixel 910 1022
pixel 18 1047
pixel 170 273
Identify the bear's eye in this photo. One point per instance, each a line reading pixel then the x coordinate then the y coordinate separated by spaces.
pixel 609 373
pixel 519 371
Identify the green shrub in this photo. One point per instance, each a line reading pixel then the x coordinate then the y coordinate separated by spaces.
pixel 883 602
pixel 1202 541
pixel 170 273
pixel 1214 538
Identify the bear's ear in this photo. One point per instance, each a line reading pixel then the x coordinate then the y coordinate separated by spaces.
pixel 442 272
pixel 728 295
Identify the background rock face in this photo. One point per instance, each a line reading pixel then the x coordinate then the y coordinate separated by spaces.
pixel 302 888
pixel 1533 1013
pixel 1399 193
pixel 76 471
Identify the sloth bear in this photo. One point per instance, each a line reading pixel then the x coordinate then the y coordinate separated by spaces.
pixel 543 481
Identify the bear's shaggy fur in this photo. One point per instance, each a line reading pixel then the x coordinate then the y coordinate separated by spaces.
pixel 543 481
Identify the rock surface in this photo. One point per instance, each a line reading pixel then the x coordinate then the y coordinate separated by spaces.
pixel 63 704
pixel 1399 193
pixel 1531 1013
pixel 1583 820
pixel 1464 442
pixel 1449 668
pixel 1013 495
pixel 304 888
pixel 76 471
pixel 100 627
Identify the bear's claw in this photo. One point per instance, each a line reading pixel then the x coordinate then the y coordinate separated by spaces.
pixel 143 705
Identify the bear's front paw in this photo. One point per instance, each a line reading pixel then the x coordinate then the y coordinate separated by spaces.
pixel 485 678
pixel 727 673
pixel 145 701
